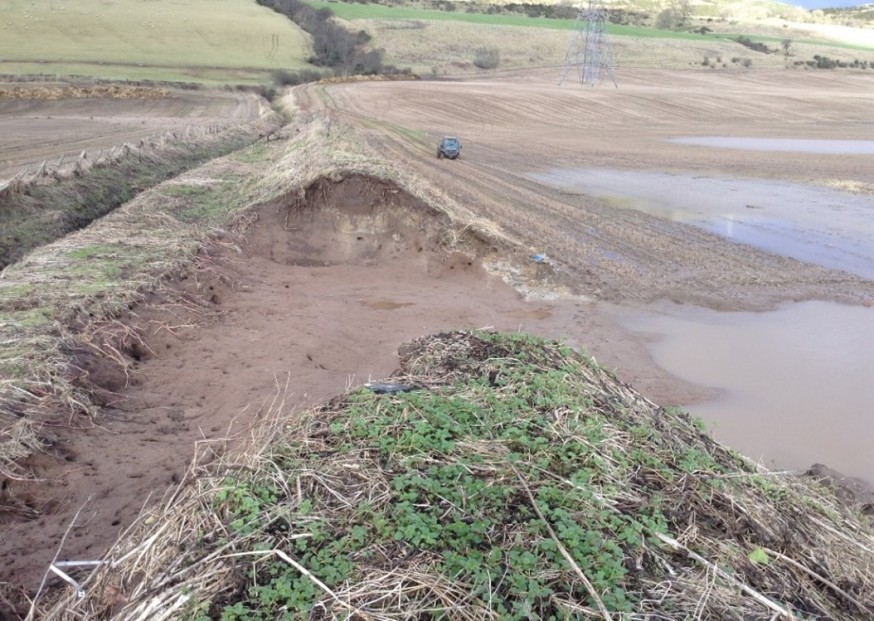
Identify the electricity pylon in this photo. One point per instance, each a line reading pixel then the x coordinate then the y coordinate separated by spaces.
pixel 589 50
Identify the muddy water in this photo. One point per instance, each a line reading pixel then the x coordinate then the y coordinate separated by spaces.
pixel 795 384
pixel 781 145
pixel 809 223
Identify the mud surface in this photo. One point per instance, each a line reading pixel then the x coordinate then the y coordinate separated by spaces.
pixel 305 304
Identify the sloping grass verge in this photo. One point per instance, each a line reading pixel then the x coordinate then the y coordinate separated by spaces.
pixel 518 480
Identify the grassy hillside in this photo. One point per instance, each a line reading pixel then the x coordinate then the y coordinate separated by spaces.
pixel 237 41
pixel 445 38
pixel 354 11
pixel 195 40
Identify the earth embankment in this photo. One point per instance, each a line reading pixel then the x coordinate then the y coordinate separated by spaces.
pixel 46 120
pixel 141 136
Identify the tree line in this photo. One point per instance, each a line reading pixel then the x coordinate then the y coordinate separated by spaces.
pixel 343 51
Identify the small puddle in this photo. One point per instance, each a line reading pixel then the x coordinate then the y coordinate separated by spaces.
pixel 817 225
pixel 538 315
pixel 781 145
pixel 796 383
pixel 384 304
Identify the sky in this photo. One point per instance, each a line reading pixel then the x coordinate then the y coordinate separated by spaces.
pixel 826 4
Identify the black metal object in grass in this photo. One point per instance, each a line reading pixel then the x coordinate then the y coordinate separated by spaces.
pixel 390 388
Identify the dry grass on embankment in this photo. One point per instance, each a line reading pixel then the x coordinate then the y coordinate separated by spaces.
pixel 47 208
pixel 52 299
pixel 519 480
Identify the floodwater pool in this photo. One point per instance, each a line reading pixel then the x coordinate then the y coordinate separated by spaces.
pixel 795 384
pixel 818 225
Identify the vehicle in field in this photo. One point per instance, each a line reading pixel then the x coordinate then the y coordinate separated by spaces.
pixel 449 147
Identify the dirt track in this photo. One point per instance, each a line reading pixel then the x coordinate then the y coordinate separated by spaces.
pixel 287 312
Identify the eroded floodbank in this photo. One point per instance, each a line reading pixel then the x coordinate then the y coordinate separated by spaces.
pixel 323 201
pixel 73 317
pixel 53 298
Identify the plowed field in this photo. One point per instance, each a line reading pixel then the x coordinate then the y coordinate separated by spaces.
pixel 524 125
pixel 44 122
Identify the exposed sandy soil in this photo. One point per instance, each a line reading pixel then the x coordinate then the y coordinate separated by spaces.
pixel 323 291
pixel 36 125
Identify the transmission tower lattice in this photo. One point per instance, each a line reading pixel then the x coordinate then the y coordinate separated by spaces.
pixel 589 50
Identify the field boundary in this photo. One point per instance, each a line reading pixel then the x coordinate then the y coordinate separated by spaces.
pixel 66 167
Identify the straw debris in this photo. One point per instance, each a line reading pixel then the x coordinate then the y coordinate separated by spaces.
pixel 518 481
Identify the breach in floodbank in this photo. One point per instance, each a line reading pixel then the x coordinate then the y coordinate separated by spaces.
pixel 89 312
pixel 360 220
pixel 604 503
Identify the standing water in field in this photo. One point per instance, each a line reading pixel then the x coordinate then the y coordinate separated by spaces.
pixel 781 145
pixel 795 383
pixel 817 225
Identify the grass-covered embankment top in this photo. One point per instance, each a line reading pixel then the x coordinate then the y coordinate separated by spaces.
pixel 519 481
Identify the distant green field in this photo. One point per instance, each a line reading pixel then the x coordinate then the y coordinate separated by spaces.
pixel 352 11
pixel 194 40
